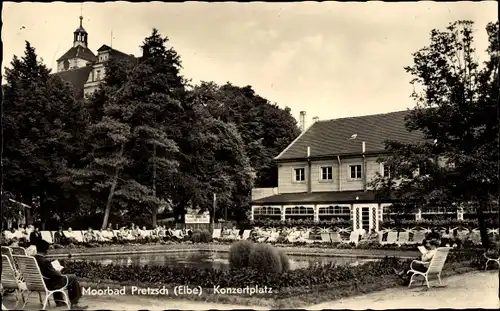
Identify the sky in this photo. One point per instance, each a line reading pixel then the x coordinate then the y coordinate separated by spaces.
pixel 332 59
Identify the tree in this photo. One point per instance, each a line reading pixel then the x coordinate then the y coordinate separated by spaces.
pixel 265 128
pixel 218 165
pixel 41 117
pixel 457 113
pixel 158 93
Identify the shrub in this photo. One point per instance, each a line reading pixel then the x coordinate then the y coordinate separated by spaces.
pixel 205 236
pixel 265 258
pixel 196 237
pixel 285 261
pixel 239 254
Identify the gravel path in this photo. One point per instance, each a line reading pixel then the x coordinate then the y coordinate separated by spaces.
pixel 470 290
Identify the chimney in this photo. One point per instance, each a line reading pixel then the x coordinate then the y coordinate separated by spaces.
pixel 315 119
pixel 302 121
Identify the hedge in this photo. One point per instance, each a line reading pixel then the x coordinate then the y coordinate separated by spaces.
pixel 207 278
pixel 338 223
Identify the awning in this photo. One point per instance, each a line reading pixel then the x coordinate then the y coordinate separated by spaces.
pixel 318 198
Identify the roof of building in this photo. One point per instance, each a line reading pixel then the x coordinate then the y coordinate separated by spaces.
pixel 115 54
pixel 345 136
pixel 78 52
pixel 77 78
pixel 318 198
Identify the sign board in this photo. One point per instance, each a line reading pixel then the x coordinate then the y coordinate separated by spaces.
pixel 197 219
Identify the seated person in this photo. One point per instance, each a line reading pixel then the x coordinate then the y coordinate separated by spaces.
pixel 89 236
pixel 9 235
pixel 431 246
pixel 369 237
pixel 35 236
pixel 144 233
pixel 135 233
pixel 98 236
pixel 20 233
pixel 70 237
pixel 60 238
pixel 433 235
pixel 31 250
pixel 55 280
pixel 446 238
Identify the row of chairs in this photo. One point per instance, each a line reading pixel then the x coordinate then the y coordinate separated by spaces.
pixel 79 236
pixel 22 274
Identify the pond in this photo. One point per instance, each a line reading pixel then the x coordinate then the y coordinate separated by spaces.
pixel 210 259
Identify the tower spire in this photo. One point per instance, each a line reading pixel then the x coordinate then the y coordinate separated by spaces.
pixel 80 35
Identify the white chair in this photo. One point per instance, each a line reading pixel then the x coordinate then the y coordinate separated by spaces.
pixel 418 237
pixel 392 237
pixel 216 234
pixel 35 281
pixel 404 238
pixel 10 279
pixel 497 260
pixel 435 266
pixel 18 250
pixel 335 237
pixel 246 234
pixel 325 237
pixel 47 236
pixel 354 237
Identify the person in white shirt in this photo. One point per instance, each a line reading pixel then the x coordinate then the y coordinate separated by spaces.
pixel 426 258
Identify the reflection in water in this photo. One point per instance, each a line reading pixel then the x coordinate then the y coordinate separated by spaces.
pixel 211 260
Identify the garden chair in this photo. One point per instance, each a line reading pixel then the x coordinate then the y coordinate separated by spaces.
pixel 78 236
pixel 107 235
pixel 418 237
pixel 18 250
pixel 435 266
pixel 10 279
pixel 35 281
pixel 404 238
pixel 216 234
pixel 246 234
pixel 354 237
pixel 325 237
pixel 475 237
pixel 47 236
pixel 497 260
pixel 392 237
pixel 335 237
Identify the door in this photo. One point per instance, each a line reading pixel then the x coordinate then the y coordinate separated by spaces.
pixel 365 217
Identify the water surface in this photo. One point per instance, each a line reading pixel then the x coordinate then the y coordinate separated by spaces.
pixel 210 259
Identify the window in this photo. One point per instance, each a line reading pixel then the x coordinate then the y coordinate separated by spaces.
pixel 335 210
pixel 386 170
pixel 326 173
pixel 299 210
pixel 355 171
pixel 300 174
pixel 98 75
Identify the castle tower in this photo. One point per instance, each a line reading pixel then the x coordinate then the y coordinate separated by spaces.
pixel 79 55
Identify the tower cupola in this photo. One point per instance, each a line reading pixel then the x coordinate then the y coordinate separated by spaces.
pixel 80 36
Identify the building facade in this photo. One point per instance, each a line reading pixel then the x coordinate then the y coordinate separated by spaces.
pixel 325 173
pixel 83 69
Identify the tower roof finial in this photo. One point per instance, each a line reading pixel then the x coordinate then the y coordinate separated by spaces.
pixel 81 20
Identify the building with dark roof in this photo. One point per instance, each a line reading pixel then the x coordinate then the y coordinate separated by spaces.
pixel 325 172
pixel 83 69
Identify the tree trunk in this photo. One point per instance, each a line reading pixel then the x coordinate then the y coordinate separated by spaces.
pixel 155 206
pixel 112 192
pixel 212 214
pixel 485 241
